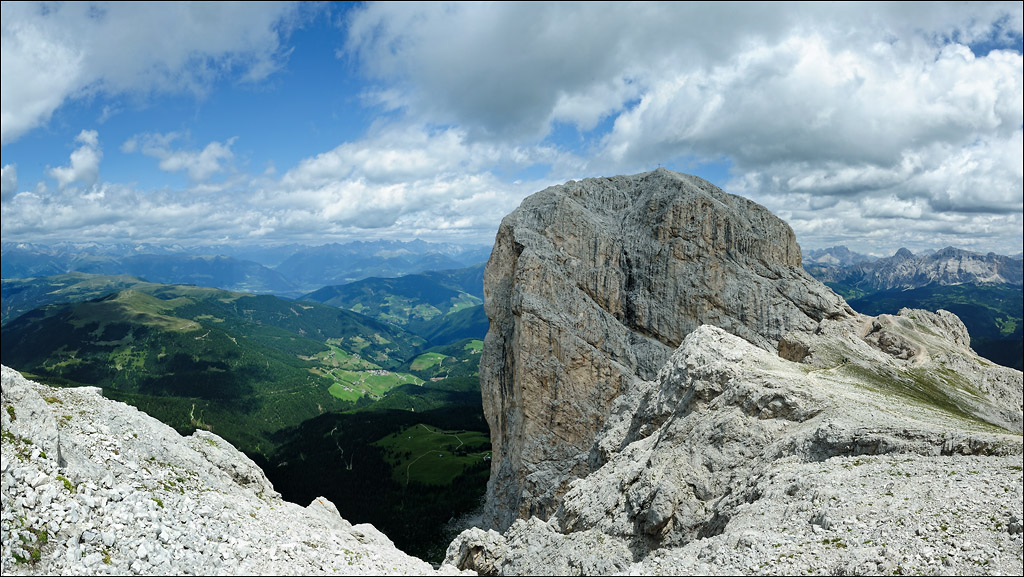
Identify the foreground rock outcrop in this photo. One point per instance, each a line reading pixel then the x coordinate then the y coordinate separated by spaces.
pixel 93 486
pixel 593 284
pixel 737 461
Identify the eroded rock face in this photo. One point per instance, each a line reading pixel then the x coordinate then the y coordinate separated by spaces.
pixel 591 285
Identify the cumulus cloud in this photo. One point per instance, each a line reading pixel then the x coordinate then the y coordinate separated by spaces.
pixel 52 52
pixel 911 107
pixel 199 164
pixel 8 180
pixel 400 182
pixel 513 68
pixel 887 124
pixel 409 176
pixel 85 162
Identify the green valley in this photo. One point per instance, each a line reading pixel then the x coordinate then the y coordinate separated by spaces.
pixel 250 365
pixel 425 454
pixel 318 396
pixel 458 359
pixel 441 307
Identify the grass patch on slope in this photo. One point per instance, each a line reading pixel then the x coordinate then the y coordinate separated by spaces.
pixel 432 456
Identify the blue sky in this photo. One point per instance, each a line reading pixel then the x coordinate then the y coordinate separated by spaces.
pixel 870 125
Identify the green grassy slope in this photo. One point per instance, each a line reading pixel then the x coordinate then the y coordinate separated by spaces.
pixel 22 295
pixel 309 391
pixel 433 305
pixel 245 366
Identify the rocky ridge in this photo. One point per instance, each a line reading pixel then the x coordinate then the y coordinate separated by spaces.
pixel 591 285
pixel 735 460
pixel 93 486
pixel 840 256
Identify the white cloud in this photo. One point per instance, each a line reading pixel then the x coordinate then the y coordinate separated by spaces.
pixel 8 180
pixel 199 164
pixel 513 68
pixel 55 51
pixel 806 101
pixel 406 176
pixel 85 162
pixel 883 123
pixel 202 164
pixel 886 105
pixel 402 182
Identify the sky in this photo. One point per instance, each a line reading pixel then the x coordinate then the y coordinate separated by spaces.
pixel 870 125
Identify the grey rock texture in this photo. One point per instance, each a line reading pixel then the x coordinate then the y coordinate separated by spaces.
pixel 93 486
pixel 591 285
pixel 785 434
pixel 477 550
pixel 735 460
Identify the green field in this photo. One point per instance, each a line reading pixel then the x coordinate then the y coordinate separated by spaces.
pixel 337 357
pixel 432 456
pixel 351 385
pixel 458 359
pixel 427 360
pixel 464 301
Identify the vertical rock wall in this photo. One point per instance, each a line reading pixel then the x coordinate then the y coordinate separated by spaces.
pixel 594 283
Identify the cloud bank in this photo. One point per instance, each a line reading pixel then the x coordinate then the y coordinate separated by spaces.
pixel 873 125
pixel 52 52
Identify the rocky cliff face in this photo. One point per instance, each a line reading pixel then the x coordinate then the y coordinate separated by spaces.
pixel 785 434
pixel 591 285
pixel 92 486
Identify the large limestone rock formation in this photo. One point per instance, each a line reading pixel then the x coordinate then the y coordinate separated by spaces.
pixel 591 285
pixel 785 434
pixel 861 460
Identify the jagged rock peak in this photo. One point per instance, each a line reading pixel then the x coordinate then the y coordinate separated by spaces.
pixel 903 253
pixel 592 284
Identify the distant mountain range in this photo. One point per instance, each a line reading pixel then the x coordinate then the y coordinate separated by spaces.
pixel 985 290
pixel 905 270
pixel 836 256
pixel 289 270
pixel 333 264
